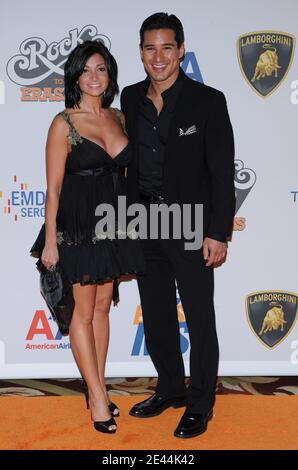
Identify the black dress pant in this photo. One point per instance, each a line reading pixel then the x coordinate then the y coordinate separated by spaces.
pixel 167 261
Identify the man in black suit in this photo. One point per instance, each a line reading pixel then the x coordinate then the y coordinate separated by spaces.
pixel 183 153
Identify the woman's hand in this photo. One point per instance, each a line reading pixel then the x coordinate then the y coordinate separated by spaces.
pixel 50 256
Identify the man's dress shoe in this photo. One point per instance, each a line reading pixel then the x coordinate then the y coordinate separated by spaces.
pixel 193 424
pixel 155 405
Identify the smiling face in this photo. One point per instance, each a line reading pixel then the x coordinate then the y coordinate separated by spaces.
pixel 94 79
pixel 161 55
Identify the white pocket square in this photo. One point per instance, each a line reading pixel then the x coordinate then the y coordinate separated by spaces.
pixel 187 130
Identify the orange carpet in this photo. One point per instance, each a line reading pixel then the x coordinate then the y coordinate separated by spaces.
pixel 241 422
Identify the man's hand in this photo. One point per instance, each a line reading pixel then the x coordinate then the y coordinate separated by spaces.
pixel 214 252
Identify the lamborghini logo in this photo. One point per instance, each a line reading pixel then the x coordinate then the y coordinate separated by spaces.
pixel 271 315
pixel 265 58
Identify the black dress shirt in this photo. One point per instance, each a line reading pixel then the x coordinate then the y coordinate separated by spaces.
pixel 153 130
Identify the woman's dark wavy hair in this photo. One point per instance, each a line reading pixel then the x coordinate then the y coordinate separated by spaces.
pixel 163 21
pixel 74 67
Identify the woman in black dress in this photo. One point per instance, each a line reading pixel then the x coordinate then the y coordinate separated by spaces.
pixel 86 154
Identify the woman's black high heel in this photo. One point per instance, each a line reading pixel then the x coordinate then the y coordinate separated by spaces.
pixel 86 393
pixel 114 410
pixel 103 426
pixel 112 406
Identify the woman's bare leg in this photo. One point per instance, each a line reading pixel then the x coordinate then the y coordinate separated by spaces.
pixel 101 328
pixel 84 350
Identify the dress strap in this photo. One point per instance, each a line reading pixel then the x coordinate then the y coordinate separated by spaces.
pixel 119 116
pixel 73 137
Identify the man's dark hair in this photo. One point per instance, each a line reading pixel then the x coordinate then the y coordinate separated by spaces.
pixel 163 21
pixel 74 68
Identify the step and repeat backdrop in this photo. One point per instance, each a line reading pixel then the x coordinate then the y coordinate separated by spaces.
pixel 245 49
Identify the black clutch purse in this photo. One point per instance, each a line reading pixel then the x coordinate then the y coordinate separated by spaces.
pixel 57 292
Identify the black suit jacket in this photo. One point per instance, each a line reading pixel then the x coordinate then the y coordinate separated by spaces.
pixel 199 167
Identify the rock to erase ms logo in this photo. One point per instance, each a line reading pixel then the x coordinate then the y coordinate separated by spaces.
pixel 265 58
pixel 38 67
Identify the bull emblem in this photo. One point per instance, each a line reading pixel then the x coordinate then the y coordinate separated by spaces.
pixel 272 315
pixel 265 58
pixel 274 319
pixel 267 64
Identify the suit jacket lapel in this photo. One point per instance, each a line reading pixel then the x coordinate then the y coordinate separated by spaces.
pixel 182 99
